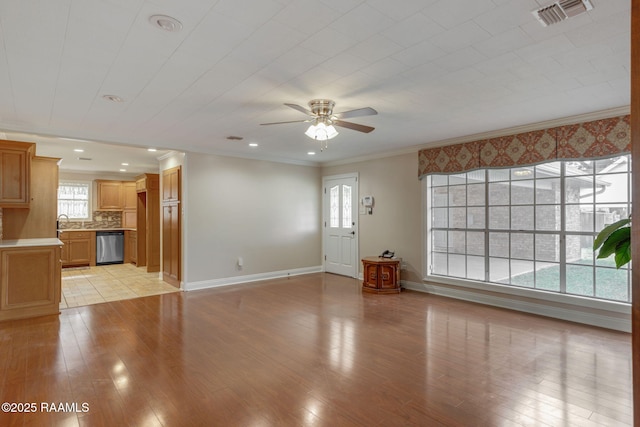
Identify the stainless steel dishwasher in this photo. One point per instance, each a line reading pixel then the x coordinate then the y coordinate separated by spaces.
pixel 109 247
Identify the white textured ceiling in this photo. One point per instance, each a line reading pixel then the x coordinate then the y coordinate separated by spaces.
pixel 433 69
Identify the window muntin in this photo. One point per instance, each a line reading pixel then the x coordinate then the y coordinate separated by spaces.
pixel 537 229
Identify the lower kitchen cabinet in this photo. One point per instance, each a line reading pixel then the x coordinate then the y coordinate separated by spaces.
pixel 30 280
pixel 131 246
pixel 79 248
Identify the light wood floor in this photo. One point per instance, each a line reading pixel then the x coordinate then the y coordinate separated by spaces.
pixel 312 350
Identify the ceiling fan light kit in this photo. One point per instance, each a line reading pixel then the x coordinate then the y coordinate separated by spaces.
pixel 322 131
pixel 324 120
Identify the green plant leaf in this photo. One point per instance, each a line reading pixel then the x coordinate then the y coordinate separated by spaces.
pixel 610 244
pixel 623 253
pixel 606 232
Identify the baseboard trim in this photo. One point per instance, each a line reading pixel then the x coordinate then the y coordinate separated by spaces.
pixel 564 313
pixel 236 280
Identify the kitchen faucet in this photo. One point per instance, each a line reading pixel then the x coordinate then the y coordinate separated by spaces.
pixel 58 220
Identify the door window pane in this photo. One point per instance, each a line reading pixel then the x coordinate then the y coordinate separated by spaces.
pixel 346 207
pixel 334 207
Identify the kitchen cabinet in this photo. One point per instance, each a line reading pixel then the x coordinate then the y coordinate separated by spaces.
pixel 129 216
pixel 30 278
pixel 131 246
pixel 39 221
pixel 147 182
pixel 171 226
pixel 110 195
pixel 129 219
pixel 171 184
pixel 171 244
pixel 130 195
pixel 15 173
pixel 119 196
pixel 381 275
pixel 79 248
pixel 148 222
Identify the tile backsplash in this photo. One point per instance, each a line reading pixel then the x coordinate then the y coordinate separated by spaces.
pixel 101 219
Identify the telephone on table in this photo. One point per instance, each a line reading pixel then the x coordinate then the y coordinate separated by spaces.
pixel 387 254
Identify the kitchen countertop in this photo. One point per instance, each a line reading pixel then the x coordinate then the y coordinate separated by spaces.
pixel 63 230
pixel 24 243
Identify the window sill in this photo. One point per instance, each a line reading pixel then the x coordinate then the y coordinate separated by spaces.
pixel 579 301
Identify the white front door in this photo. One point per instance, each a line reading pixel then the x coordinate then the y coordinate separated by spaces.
pixel 340 220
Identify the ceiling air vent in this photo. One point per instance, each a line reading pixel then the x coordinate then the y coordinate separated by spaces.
pixel 561 10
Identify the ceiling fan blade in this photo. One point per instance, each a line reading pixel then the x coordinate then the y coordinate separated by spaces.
pixel 367 111
pixel 299 108
pixel 353 126
pixel 279 123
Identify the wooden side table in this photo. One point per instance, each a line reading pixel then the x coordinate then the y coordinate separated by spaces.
pixel 381 275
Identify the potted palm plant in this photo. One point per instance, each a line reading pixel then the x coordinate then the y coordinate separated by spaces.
pixel 615 239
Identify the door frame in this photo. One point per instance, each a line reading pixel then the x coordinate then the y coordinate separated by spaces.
pixel 356 219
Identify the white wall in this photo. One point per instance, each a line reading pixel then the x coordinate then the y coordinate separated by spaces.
pixel 267 213
pixel 396 221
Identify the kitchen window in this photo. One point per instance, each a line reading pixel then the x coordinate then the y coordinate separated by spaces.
pixel 74 200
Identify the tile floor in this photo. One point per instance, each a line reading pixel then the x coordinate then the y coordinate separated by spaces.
pixel 94 285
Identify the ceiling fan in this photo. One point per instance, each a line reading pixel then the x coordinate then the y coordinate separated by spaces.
pixel 323 119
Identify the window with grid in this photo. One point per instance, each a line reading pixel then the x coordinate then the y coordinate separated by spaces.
pixel 530 227
pixel 73 200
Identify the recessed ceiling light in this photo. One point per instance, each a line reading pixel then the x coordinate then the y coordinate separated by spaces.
pixel 123 170
pixel 151 149
pixel 311 153
pixel 78 150
pixel 124 164
pixel 113 98
pixel 253 144
pixel 166 23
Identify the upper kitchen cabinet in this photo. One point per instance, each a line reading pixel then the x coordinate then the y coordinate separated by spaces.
pixel 39 221
pixel 116 195
pixel 130 195
pixel 110 195
pixel 171 185
pixel 15 173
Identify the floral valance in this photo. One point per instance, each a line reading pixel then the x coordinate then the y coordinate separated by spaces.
pixel 598 138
